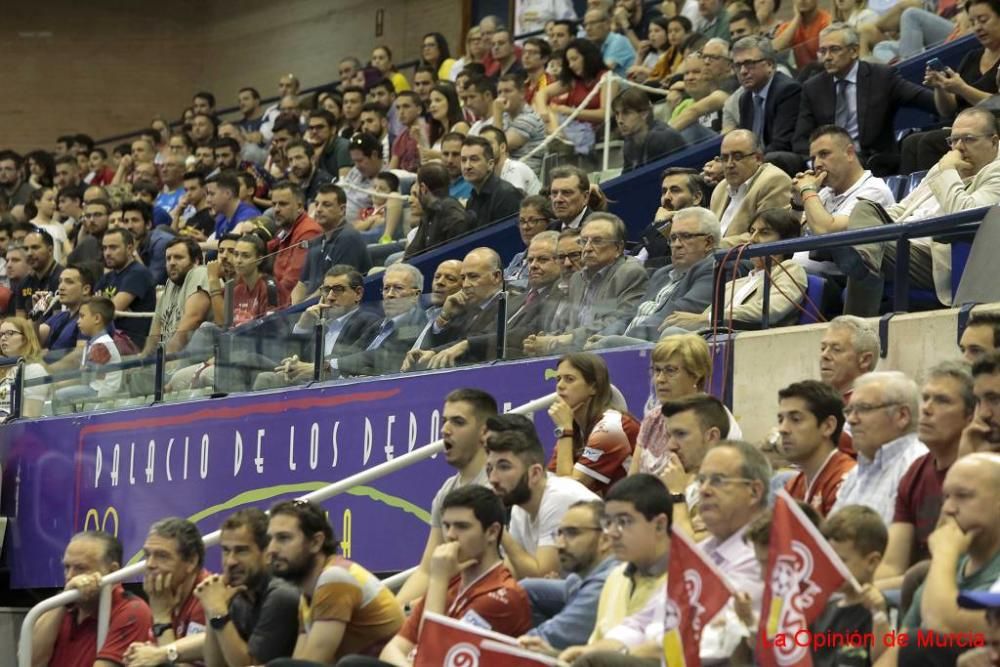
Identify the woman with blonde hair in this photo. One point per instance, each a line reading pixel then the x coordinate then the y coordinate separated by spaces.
pixel 681 366
pixel 475 50
pixel 18 341
pixel 593 439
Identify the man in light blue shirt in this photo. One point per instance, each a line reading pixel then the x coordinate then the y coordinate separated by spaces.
pixel 616 50
pixel 565 610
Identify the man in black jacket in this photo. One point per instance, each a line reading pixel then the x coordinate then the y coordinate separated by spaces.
pixel 769 106
pixel 492 198
pixel 860 96
pixel 442 218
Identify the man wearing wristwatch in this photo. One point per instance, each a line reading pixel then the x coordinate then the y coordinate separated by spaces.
pixel 251 614
pixel 175 557
pixel 67 636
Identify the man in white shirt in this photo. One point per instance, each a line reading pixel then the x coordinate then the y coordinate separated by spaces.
pixel 967 177
pixel 515 465
pixel 831 189
pixel 513 171
pixel 883 414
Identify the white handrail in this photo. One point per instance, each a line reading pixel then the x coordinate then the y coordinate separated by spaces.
pixel 363 477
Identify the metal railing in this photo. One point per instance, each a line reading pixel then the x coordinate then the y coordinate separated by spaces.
pixel 365 477
pixel 944 228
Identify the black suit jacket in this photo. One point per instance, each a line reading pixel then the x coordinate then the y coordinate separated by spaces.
pixel 523 320
pixel 782 110
pixel 881 91
pixel 475 321
pixel 357 334
pixel 388 357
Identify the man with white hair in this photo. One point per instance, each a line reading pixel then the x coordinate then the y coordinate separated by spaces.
pixel 685 285
pixel 849 349
pixel 883 413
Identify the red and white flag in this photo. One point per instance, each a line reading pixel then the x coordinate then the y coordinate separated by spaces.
pixel 446 642
pixel 696 592
pixel 802 573
pixel 504 655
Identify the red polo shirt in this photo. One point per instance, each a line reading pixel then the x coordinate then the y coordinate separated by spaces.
pixel 76 643
pixel 291 253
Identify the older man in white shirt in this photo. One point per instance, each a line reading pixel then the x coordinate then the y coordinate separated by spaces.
pixel 882 413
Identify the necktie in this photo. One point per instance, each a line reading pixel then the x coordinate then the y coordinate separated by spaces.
pixel 384 332
pixel 758 116
pixel 842 116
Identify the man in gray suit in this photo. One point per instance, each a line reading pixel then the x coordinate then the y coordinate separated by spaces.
pixel 685 285
pixel 606 291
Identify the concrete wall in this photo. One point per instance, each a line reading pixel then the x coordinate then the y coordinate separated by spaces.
pixel 106 68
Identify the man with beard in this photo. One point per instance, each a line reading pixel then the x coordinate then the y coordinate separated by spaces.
pixel 43 280
pixel 537 501
pixel 251 614
pixel 569 606
pixel 348 328
pixel 983 433
pixel 185 303
pixel 441 217
pixel 127 283
pixel 344 608
pixel 302 171
pixel 339 244
pixel 95 222
pixel 13 188
pixel 227 154
pixel 295 226
pixel 468 579
pixel 464 432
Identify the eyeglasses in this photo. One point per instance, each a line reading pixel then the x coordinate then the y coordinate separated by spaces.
pixel 572 256
pixel 532 221
pixel 619 523
pixel 571 532
pixel 684 237
pixel 965 139
pixel 9 333
pixel 715 480
pixel 832 50
pixel 336 290
pixel 595 241
pixel 737 66
pixel 669 371
pixel 865 408
pixel 734 157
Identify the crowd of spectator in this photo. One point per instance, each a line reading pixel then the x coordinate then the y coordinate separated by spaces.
pixel 568 553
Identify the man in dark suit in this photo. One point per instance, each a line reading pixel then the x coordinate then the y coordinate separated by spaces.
pixel 769 106
pixel 347 328
pixel 686 285
pixel 472 311
pixel 607 290
pixel 861 97
pixel 404 320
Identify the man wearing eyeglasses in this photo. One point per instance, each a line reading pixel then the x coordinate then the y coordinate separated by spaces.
pixel 835 95
pixel 769 105
pixel 685 285
pixel 604 294
pixel 882 413
pixel 334 156
pixel 967 177
pixel 749 187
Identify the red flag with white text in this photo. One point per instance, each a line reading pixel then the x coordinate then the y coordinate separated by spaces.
pixel 802 573
pixel 446 642
pixel 696 592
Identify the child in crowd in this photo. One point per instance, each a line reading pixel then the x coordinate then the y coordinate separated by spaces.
pixel 95 321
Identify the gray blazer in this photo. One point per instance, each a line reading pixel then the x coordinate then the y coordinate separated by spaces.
pixel 692 295
pixel 615 300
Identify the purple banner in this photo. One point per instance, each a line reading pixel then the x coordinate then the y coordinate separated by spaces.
pixel 121 471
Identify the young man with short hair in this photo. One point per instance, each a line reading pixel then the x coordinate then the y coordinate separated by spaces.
pixel 464 432
pixel 127 283
pixel 60 333
pixel 405 152
pixel 981 335
pixel 646 139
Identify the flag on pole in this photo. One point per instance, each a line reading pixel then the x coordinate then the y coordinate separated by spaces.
pixel 446 642
pixel 504 655
pixel 696 592
pixel 802 573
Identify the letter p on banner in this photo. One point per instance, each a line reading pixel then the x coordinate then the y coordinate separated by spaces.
pixel 802 573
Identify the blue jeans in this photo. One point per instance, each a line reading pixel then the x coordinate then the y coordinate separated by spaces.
pixel 918 29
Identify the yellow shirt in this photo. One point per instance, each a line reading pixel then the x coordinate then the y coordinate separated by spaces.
pixel 623 596
pixel 349 593
pixel 399 82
